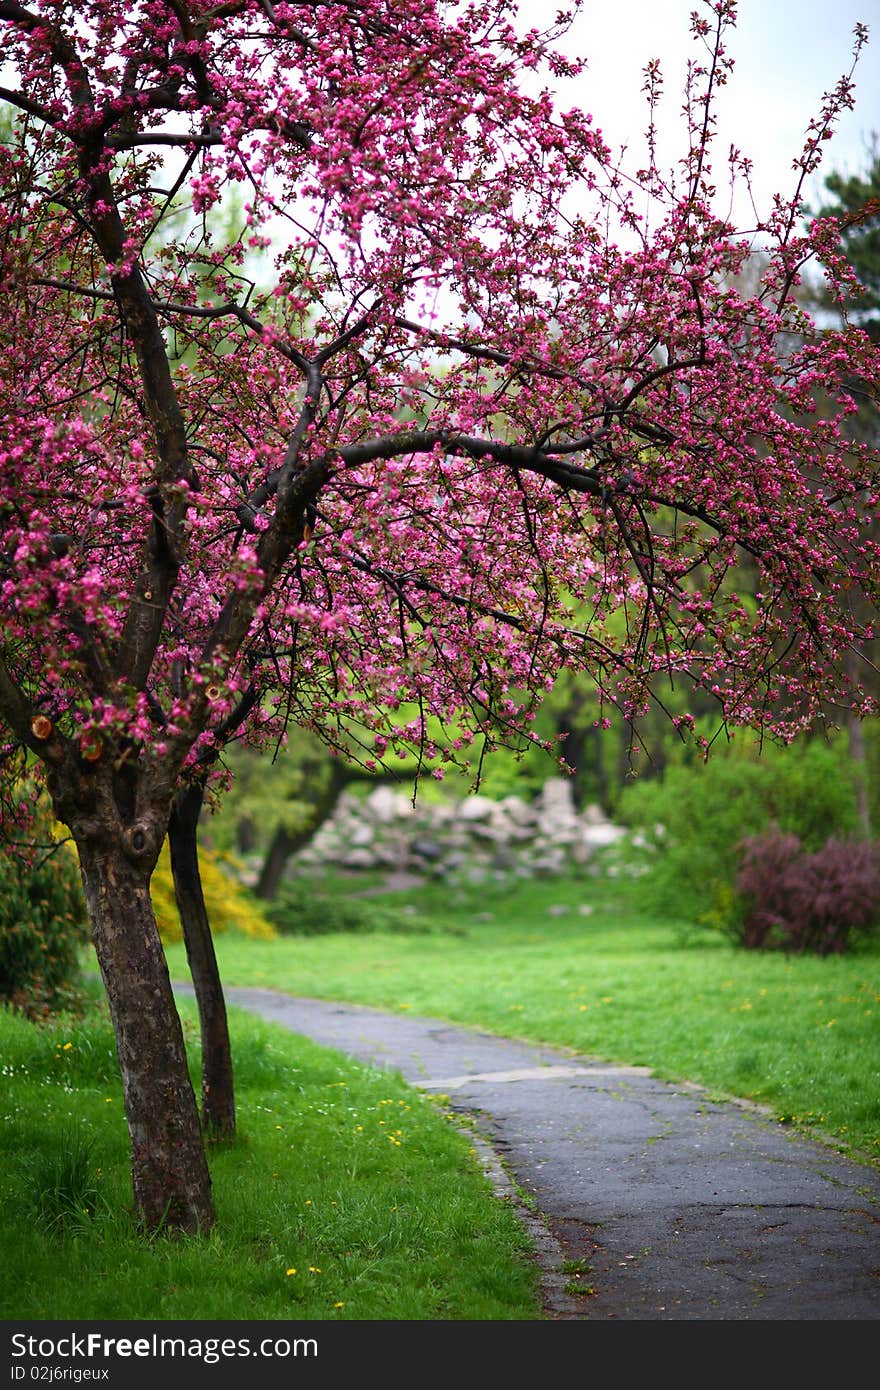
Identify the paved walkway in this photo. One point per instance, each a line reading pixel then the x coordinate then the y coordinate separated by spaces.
pixel 682 1207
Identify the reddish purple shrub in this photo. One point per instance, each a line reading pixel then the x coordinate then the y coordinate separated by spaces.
pixel 807 902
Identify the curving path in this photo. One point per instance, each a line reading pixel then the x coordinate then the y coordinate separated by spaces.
pixel 682 1207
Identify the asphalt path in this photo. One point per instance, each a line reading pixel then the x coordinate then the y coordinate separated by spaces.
pixel 682 1206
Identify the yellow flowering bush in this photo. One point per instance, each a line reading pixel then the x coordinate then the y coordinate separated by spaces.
pixel 230 906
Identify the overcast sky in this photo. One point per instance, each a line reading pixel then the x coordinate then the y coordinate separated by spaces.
pixel 788 52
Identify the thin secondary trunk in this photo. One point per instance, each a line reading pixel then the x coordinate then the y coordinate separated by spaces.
pixel 172 1185
pixel 218 1089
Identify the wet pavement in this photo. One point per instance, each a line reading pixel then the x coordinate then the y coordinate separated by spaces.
pixel 679 1206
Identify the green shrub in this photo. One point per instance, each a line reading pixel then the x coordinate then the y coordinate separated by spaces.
pixel 301 910
pixel 689 826
pixel 43 927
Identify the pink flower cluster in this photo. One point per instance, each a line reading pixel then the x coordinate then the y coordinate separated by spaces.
pixel 438 411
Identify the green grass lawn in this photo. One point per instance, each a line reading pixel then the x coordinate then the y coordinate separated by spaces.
pixel 800 1035
pixel 346 1195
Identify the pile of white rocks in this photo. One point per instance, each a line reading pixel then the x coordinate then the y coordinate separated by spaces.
pixel 472 840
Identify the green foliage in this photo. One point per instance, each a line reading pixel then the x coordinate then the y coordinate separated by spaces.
pixel 229 905
pixel 268 793
pixel 509 772
pixel 299 909
pixel 855 198
pixel 43 927
pixel 295 791
pixel 689 825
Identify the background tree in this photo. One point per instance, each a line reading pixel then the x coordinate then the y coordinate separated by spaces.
pixel 854 200
pixel 491 420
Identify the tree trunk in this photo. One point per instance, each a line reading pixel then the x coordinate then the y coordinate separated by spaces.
pixel 279 851
pixel 172 1185
pixel 574 748
pixel 218 1090
pixel 856 740
pixel 860 761
pixel 284 843
pixel 603 794
pixel 245 835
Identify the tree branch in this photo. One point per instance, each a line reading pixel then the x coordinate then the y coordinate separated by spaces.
pixel 18 712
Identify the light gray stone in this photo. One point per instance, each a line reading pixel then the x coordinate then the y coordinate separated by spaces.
pixel 386 805
pixel 361 834
pixel 598 836
pixel 475 808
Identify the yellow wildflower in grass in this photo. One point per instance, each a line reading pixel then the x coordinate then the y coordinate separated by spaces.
pixel 290 1271
pixel 338 1305
pixel 313 1269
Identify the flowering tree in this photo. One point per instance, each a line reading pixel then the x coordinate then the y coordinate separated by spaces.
pixel 500 411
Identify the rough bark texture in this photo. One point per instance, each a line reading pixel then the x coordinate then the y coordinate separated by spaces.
pixel 218 1088
pixel 172 1185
